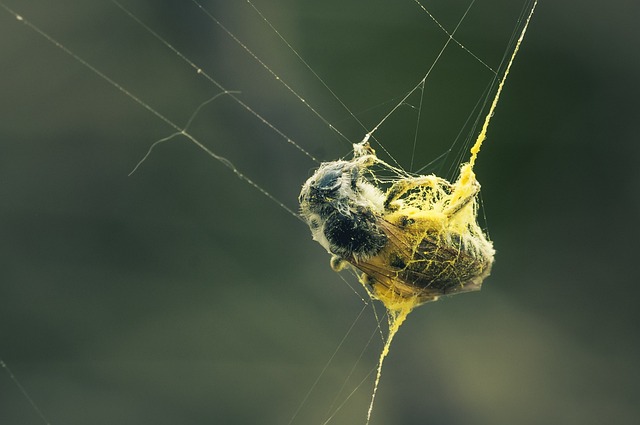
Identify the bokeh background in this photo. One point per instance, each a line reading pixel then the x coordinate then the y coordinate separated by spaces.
pixel 181 295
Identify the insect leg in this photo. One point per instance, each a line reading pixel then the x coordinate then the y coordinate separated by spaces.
pixel 401 187
pixel 462 202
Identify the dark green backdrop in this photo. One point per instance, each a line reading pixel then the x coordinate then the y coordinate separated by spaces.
pixel 181 295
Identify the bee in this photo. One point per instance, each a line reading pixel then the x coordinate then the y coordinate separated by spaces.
pixel 417 240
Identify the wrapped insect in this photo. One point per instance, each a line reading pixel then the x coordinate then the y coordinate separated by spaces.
pixel 417 240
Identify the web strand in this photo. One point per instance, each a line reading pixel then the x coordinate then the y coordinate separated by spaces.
pixel 309 68
pixel 270 71
pixel 451 37
pixel 208 77
pixel 422 82
pixel 326 366
pixel 485 126
pixel 178 130
pixel 24 393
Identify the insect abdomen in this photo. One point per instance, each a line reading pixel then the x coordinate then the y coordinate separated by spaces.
pixel 426 264
pixel 445 268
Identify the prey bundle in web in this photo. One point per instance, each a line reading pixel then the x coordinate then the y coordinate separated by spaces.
pixel 412 239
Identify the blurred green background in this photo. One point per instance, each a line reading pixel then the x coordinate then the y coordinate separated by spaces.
pixel 181 295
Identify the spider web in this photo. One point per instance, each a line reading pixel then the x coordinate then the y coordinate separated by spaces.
pixel 267 162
